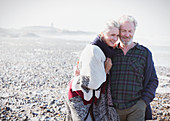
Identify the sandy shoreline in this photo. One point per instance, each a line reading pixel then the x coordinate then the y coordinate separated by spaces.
pixel 34 74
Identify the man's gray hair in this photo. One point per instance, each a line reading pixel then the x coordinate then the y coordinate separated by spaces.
pixel 109 25
pixel 128 18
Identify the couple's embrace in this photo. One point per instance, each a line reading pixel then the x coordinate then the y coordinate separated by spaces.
pixel 112 81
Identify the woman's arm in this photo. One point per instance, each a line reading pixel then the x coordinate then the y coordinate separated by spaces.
pixel 108 65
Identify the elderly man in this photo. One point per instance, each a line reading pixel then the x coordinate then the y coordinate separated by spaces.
pixel 133 80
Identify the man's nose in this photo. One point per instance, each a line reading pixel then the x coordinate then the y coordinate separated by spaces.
pixel 127 34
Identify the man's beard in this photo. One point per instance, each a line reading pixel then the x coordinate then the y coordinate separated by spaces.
pixel 126 43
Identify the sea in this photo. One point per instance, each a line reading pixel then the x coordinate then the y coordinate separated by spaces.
pixel 160 49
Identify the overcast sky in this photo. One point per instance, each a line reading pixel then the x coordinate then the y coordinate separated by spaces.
pixel 153 16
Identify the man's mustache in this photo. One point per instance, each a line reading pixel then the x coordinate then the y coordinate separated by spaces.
pixel 126 37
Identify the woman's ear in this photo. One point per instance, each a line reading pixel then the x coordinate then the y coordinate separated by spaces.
pixel 101 35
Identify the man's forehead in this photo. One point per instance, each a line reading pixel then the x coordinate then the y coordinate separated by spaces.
pixel 127 25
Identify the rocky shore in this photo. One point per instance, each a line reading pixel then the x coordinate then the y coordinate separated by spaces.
pixel 34 74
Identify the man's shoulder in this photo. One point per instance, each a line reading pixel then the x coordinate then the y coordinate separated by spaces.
pixel 142 47
pixel 145 49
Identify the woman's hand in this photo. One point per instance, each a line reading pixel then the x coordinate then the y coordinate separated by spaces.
pixel 76 70
pixel 108 65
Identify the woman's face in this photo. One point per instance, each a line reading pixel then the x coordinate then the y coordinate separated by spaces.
pixel 111 36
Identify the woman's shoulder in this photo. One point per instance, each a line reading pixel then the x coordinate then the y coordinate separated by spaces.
pixel 93 51
pixel 93 48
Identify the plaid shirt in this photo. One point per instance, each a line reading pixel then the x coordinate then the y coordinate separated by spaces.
pixel 127 75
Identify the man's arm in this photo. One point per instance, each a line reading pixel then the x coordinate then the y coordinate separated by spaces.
pixel 151 80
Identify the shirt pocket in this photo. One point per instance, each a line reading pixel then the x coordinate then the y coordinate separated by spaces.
pixel 137 67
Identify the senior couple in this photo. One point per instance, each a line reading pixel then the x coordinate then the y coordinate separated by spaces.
pixel 113 81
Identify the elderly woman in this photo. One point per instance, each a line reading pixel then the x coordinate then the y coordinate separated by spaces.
pixel 87 98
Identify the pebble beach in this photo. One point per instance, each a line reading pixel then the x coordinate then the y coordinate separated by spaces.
pixel 34 74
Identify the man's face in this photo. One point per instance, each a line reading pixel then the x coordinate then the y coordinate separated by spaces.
pixel 111 36
pixel 127 31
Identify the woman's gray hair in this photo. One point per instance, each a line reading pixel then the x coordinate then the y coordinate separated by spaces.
pixel 109 25
pixel 128 18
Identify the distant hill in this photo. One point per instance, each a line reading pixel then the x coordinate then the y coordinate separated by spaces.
pixel 52 30
pixel 39 31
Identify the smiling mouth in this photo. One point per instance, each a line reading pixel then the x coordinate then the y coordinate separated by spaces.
pixel 126 37
pixel 112 41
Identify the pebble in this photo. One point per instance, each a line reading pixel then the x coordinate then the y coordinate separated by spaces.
pixel 34 77
pixel 161 109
